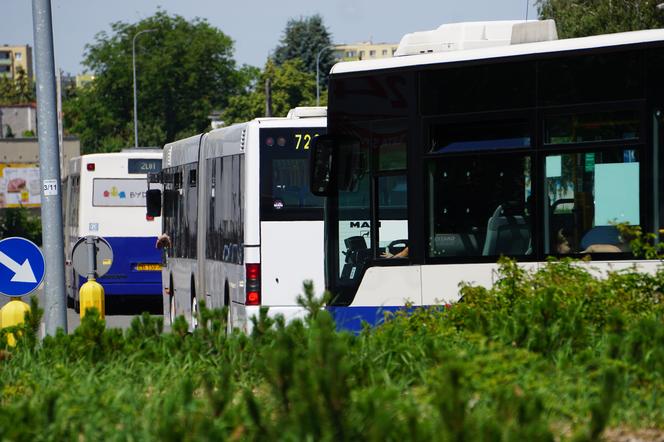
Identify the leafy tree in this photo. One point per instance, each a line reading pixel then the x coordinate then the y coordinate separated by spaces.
pixel 579 18
pixel 19 90
pixel 184 70
pixel 291 86
pixel 304 38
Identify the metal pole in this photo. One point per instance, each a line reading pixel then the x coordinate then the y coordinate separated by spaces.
pixel 318 74
pixel 133 64
pixel 92 257
pixel 55 313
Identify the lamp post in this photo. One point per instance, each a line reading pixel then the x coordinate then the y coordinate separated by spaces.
pixel 318 73
pixel 133 63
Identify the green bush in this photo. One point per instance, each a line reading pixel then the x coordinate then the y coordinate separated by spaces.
pixel 21 222
pixel 552 355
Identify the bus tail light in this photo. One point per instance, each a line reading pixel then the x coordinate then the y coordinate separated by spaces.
pixel 149 218
pixel 91 167
pixel 253 284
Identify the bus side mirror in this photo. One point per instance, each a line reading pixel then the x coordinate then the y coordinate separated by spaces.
pixel 320 165
pixel 153 202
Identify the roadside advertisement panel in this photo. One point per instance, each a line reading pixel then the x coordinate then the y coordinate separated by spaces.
pixel 19 185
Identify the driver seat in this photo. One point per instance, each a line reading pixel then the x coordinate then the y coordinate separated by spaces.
pixel 357 254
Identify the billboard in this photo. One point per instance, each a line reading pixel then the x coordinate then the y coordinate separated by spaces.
pixel 19 185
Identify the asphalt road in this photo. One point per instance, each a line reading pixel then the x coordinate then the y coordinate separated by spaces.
pixel 117 315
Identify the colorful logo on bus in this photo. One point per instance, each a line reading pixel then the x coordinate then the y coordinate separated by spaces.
pixel 114 193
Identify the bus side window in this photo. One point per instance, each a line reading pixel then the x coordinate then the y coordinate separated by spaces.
pixel 588 194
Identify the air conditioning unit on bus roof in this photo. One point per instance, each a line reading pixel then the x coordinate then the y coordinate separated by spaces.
pixel 475 35
pixel 307 112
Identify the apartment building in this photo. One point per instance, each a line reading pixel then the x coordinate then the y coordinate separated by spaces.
pixel 364 51
pixel 15 58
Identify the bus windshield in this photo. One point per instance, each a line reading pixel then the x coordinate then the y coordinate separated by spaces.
pixel 284 164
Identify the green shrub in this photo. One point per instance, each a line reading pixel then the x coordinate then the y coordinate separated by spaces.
pixel 552 355
pixel 21 222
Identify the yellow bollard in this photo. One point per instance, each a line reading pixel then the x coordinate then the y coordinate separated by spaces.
pixel 13 313
pixel 91 294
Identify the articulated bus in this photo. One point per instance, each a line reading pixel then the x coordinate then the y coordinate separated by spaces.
pixel 485 139
pixel 104 195
pixel 243 227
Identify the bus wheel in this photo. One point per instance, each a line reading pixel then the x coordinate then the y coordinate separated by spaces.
pixel 194 313
pixel 171 309
pixel 227 303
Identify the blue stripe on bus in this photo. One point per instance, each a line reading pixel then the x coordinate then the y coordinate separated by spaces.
pixel 122 278
pixel 351 318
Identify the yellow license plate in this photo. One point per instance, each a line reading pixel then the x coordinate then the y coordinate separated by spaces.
pixel 148 267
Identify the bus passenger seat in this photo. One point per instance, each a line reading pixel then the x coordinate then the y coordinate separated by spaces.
pixel 507 234
pixel 455 244
pixel 604 236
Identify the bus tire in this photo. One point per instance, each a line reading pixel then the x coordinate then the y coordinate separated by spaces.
pixel 171 301
pixel 193 307
pixel 171 308
pixel 194 313
pixel 227 303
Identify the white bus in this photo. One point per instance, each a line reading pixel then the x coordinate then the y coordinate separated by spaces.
pixel 104 195
pixel 244 229
pixel 481 140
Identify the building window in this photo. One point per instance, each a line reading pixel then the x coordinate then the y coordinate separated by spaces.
pixel 384 52
pixel 350 54
pixel 372 53
pixel 18 55
pixel 361 55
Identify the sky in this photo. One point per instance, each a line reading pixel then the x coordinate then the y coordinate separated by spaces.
pixel 255 25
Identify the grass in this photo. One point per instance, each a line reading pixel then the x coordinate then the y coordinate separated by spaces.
pixel 551 355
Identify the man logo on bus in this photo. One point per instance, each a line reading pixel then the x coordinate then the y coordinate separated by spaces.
pixel 114 193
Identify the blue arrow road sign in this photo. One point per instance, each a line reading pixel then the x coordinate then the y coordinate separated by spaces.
pixel 22 266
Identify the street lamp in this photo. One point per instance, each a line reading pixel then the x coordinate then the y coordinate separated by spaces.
pixel 660 6
pixel 133 63
pixel 318 74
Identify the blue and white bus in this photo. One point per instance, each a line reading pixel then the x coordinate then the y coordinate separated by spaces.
pixel 104 196
pixel 485 139
pixel 245 230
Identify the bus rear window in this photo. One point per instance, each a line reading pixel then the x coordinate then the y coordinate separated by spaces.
pixel 118 192
pixel 284 175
